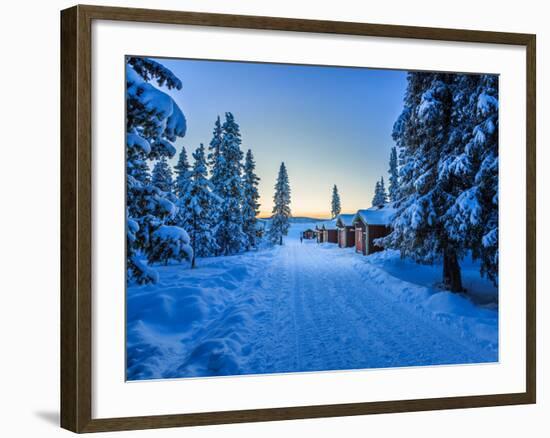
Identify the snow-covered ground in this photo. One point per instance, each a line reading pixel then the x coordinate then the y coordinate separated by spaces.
pixel 305 307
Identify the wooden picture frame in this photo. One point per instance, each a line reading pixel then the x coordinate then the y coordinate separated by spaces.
pixel 76 217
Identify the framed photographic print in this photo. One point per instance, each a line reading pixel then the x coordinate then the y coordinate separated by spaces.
pixel 268 219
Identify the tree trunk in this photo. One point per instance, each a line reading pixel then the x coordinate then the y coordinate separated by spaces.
pixel 194 247
pixel 452 277
pixel 281 239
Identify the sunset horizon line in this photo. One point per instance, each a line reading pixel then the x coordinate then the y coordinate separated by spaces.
pixel 312 215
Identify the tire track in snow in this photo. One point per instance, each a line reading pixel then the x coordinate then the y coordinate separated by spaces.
pixel 324 328
pixel 275 346
pixel 346 322
pixel 395 336
pixel 447 344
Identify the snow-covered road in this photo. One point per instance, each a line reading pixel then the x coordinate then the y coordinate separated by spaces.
pixel 322 312
pixel 299 307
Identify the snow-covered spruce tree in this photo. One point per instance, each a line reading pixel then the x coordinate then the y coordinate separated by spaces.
pixel 281 208
pixel 472 165
pixel 162 176
pixel 182 170
pixel 250 200
pixel 169 242
pixel 421 133
pixel 200 202
pixel 335 206
pixel 216 166
pixel 375 198
pixel 138 169
pixel 383 193
pixel 214 156
pixel 393 189
pixel 380 197
pixel 153 122
pixel 485 148
pixel 229 233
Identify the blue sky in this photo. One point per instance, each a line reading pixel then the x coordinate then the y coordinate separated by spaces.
pixel 330 125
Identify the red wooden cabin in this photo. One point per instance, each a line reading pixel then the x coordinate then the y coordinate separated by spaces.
pixel 319 233
pixel 371 224
pixel 327 232
pixel 308 234
pixel 346 231
pixel 331 235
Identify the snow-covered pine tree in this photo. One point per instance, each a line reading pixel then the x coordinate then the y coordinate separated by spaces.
pixel 250 200
pixel 472 166
pixel 216 166
pixel 383 193
pixel 485 147
pixel 214 156
pixel 380 197
pixel 393 188
pixel 448 173
pixel 162 176
pixel 335 205
pixel 421 133
pixel 376 197
pixel 281 208
pixel 153 122
pixel 200 202
pixel 169 242
pixel 182 170
pixel 138 169
pixel 229 233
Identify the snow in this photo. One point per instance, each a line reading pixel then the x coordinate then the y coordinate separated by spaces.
pixel 329 224
pixel 167 232
pixel 480 290
pixel 426 104
pixel 486 103
pixel 466 212
pixel 490 239
pixel 133 80
pixel 134 140
pixel 150 70
pixel 166 147
pixel 169 242
pixel 155 101
pixel 168 206
pixel 305 307
pixel 376 215
pixel 176 125
pixel 147 274
pixel 345 220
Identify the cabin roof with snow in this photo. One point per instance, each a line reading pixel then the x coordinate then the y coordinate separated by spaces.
pixel 344 220
pixel 326 225
pixel 375 215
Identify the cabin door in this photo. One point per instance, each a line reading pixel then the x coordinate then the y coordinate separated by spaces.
pixel 350 238
pixel 359 239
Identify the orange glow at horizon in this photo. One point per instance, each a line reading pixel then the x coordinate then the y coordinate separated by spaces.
pixel 314 215
pixel 311 214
